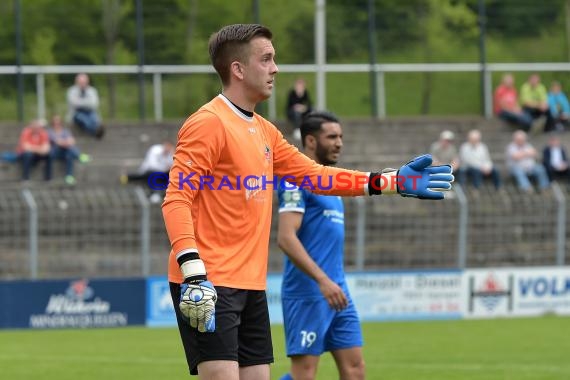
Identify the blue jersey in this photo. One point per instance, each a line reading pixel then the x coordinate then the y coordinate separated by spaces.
pixel 322 235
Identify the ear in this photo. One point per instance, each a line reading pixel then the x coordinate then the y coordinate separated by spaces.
pixel 310 142
pixel 237 69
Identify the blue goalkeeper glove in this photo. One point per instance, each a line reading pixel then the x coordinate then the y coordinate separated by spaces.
pixel 415 179
pixel 420 180
pixel 197 295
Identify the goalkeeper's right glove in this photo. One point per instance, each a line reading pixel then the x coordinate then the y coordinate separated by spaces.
pixel 197 295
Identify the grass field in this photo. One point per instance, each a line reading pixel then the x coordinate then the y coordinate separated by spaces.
pixel 520 349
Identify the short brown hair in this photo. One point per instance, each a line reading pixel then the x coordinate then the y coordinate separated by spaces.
pixel 227 45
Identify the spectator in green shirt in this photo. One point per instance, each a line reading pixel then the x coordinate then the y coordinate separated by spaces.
pixel 534 99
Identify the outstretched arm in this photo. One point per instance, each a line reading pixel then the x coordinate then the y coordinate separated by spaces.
pixel 416 179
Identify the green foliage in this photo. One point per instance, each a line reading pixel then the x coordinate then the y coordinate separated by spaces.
pixel 86 32
pixel 42 53
pixel 521 18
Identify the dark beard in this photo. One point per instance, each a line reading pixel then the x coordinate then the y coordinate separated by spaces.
pixel 322 154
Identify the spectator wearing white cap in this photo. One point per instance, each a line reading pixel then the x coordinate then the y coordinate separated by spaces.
pixel 444 151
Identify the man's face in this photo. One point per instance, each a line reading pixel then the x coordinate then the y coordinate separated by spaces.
pixel 474 138
pixel 168 148
pixel 82 80
pixel 300 86
pixel 329 143
pixel 56 122
pixel 554 141
pixel 260 69
pixel 520 138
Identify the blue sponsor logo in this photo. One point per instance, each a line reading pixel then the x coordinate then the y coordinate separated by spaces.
pixel 160 310
pixel 544 286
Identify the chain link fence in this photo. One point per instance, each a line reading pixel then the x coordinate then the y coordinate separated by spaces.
pixel 106 232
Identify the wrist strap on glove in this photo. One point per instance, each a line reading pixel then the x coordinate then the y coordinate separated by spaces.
pixel 192 267
pixel 385 182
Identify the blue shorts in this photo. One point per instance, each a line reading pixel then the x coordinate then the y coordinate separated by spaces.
pixel 313 327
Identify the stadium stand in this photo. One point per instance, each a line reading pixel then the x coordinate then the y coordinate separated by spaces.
pixel 94 228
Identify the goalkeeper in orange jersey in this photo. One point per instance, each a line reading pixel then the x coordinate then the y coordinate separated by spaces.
pixel 220 235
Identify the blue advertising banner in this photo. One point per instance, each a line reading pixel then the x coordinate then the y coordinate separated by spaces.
pixel 274 298
pixel 78 303
pixel 159 308
pixel 160 311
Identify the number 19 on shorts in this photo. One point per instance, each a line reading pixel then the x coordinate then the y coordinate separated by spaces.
pixel 308 338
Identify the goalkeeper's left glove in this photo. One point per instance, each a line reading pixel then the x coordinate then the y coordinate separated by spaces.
pixel 415 179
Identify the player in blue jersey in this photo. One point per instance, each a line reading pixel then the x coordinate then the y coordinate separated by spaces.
pixel 318 312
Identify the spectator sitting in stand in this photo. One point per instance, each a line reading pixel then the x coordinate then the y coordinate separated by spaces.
pixel 506 105
pixel 521 161
pixel 158 158
pixel 534 99
pixel 555 159
pixel 444 151
pixel 63 148
pixel 298 104
pixel 83 102
pixel 33 146
pixel 559 106
pixel 476 162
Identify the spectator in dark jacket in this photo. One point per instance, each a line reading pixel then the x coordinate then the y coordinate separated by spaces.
pixel 298 104
pixel 555 159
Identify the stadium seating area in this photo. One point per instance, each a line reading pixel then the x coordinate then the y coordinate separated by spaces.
pixel 95 228
pixel 368 144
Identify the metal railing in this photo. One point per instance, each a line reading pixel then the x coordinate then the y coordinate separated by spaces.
pixel 379 70
pixel 101 232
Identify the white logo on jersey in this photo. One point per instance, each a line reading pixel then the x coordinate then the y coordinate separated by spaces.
pixel 334 216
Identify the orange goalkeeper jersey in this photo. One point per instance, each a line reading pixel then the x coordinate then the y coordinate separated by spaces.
pixel 219 198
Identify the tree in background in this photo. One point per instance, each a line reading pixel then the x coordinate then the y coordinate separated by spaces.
pixel 42 48
pixel 114 12
pixel 176 32
pixel 447 24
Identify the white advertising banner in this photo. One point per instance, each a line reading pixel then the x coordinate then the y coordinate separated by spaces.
pixel 490 293
pixel 407 295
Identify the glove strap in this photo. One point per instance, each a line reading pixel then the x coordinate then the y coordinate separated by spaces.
pixel 385 182
pixel 192 267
